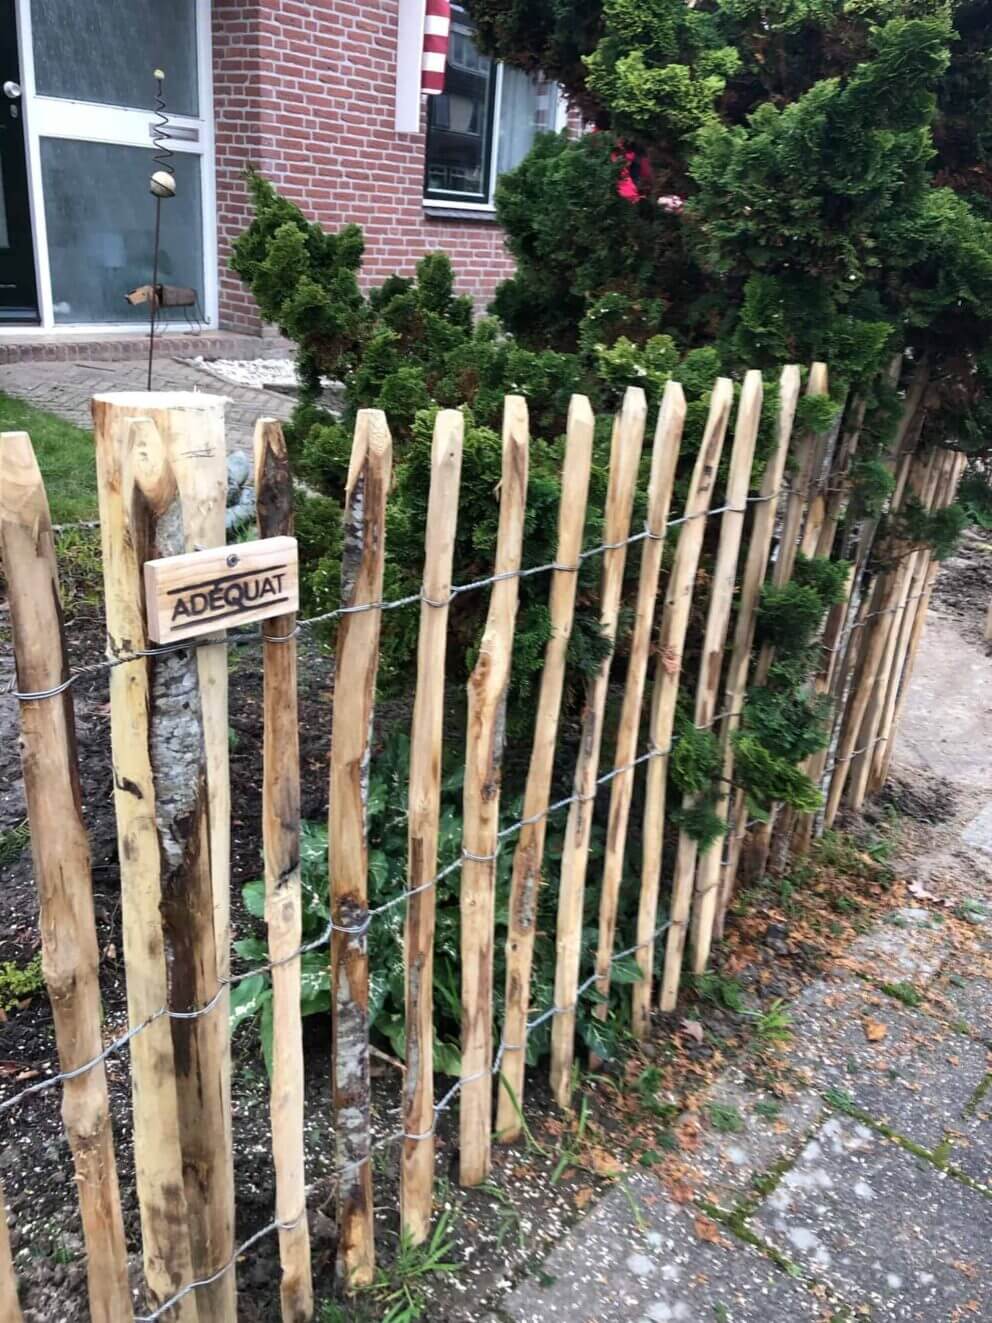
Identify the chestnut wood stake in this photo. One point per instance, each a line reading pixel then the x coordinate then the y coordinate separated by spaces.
pixel 10 1307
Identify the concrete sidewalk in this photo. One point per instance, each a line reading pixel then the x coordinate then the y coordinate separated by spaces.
pixel 866 1194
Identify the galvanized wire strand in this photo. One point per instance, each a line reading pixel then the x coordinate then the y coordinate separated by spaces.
pixel 444 1103
pixel 386 604
pixel 353 930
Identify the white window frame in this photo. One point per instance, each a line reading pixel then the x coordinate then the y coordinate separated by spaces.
pixel 85 121
pixel 433 202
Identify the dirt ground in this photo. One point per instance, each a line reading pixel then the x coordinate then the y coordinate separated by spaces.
pixel 913 847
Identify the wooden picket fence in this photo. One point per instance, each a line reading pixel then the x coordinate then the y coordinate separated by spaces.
pixel 162 477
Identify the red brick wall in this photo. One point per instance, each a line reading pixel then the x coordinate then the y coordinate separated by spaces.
pixel 305 91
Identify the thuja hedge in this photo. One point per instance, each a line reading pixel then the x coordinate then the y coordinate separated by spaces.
pixel 413 346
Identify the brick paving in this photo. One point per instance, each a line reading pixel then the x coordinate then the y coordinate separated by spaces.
pixel 65 389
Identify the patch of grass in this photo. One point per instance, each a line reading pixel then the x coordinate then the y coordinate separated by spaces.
pixel 13 842
pixel 973 911
pixel 725 1119
pixel 775 1024
pixel 720 989
pixel 904 992
pixel 400 1288
pixel 65 457
pixel 20 983
pixel 80 558
pixel 768 1110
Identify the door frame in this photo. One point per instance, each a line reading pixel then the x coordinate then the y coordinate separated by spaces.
pixel 92 122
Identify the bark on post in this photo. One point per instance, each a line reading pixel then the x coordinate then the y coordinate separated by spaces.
pixel 529 853
pixel 664 457
pixel 671 640
pixel 10 1307
pixel 487 688
pixel 711 662
pixel 711 897
pixel 60 850
pixel 362 559
pixel 417 1168
pixel 149 448
pixel 283 902
pixel 625 455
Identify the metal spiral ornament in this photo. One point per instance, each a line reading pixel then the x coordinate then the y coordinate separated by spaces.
pixel 162 185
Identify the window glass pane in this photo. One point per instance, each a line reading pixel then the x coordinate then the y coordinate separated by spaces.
pixel 528 106
pixel 4 231
pixel 101 217
pixel 106 50
pixel 458 122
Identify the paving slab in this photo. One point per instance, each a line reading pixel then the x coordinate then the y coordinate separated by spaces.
pixel 884 1227
pixel 726 1164
pixel 907 945
pixel 906 1069
pixel 650 1266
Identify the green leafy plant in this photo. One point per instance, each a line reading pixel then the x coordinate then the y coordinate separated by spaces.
pixel 724 1118
pixel 20 983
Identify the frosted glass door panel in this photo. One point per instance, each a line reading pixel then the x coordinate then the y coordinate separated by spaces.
pixel 101 216
pixel 105 51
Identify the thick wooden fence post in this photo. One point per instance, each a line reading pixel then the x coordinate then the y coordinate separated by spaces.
pixel 283 901
pixel 529 852
pixel 60 849
pixel 487 688
pixel 671 640
pixel 625 455
pixel 710 902
pixel 664 457
pixel 362 559
pixel 711 662
pixel 10 1307
pixel 426 750
pixel 149 448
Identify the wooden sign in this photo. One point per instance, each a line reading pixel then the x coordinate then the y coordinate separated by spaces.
pixel 205 591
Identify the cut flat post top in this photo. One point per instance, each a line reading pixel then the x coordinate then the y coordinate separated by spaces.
pixel 529 853
pixel 61 856
pixel 283 902
pixel 671 640
pixel 362 560
pixel 625 455
pixel 487 689
pixel 711 661
pixel 664 458
pixel 426 748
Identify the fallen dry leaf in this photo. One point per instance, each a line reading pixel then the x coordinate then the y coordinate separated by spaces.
pixel 707 1230
pixel 875 1031
pixel 681 1192
pixel 694 1029
pixel 583 1196
pixel 603 1163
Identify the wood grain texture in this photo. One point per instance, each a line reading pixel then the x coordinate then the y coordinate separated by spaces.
pixel 426 750
pixel 61 856
pixel 362 560
pixel 192 427
pixel 529 852
pixel 711 899
pixel 668 668
pixel 664 457
pixel 283 901
pixel 722 587
pixel 199 593
pixel 625 455
pixel 487 689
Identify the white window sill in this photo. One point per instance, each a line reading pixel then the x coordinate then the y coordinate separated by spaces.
pixel 436 210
